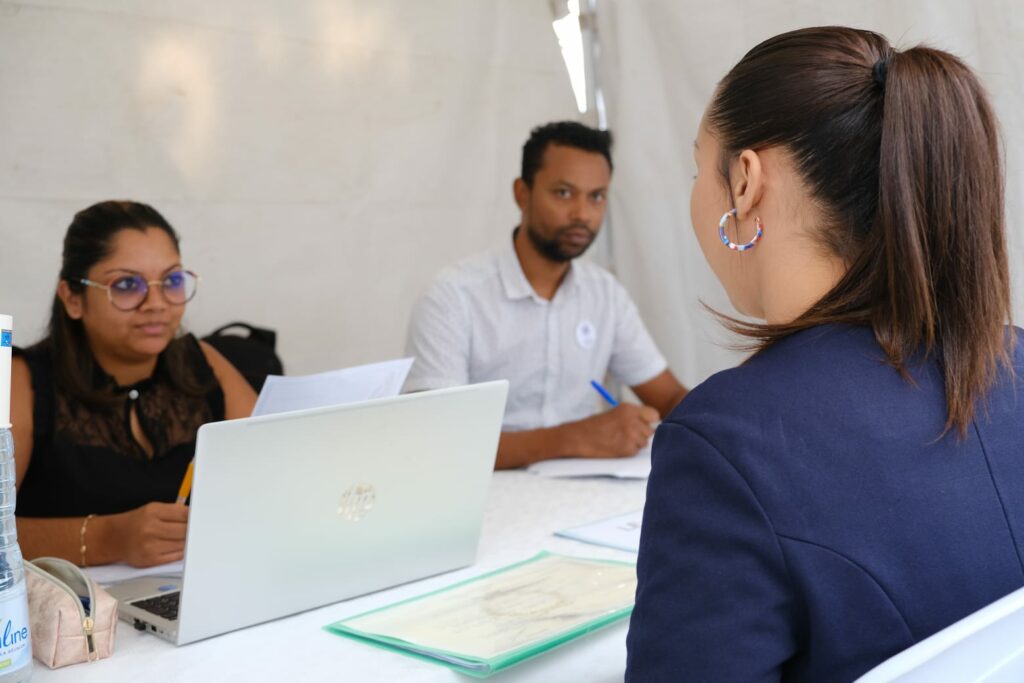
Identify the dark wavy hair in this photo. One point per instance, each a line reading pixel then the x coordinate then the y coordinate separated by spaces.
pixel 567 134
pixel 89 239
pixel 901 151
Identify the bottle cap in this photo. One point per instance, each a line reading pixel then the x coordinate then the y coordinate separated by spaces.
pixel 6 342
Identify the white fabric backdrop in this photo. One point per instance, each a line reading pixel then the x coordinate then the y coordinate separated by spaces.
pixel 661 60
pixel 322 159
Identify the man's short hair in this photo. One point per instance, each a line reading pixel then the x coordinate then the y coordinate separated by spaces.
pixel 568 134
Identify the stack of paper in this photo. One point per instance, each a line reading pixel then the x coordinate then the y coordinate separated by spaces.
pixel 491 622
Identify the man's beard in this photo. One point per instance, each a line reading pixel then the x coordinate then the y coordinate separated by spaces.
pixel 553 249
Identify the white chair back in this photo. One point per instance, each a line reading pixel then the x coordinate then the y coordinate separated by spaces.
pixel 985 647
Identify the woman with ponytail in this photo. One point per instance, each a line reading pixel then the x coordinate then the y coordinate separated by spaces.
pixel 106 408
pixel 858 484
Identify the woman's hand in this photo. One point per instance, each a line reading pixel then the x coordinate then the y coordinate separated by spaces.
pixel 150 535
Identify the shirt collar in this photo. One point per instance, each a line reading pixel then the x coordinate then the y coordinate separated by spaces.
pixel 514 281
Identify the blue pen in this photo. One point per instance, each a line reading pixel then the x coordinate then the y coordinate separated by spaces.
pixel 604 393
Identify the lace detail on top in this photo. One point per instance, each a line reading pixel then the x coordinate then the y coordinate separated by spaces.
pixel 85 460
pixel 166 417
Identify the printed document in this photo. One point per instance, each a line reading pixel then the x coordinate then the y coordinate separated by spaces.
pixel 636 467
pixel 336 387
pixel 106 574
pixel 501 618
pixel 621 532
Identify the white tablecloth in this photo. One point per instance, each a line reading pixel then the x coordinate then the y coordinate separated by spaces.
pixel 524 510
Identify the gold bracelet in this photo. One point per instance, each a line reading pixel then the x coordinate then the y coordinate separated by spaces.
pixel 81 535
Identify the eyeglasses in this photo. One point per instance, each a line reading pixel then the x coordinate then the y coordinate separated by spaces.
pixel 128 292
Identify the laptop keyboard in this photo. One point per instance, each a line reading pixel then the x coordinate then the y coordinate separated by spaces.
pixel 165 606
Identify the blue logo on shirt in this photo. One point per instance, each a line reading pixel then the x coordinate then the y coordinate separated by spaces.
pixel 6 338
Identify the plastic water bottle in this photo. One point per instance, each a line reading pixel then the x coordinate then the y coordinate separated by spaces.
pixel 15 641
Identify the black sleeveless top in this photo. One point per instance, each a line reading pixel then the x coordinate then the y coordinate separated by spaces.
pixel 86 461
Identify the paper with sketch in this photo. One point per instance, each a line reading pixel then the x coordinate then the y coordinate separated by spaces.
pixel 348 385
pixel 636 467
pixel 621 532
pixel 501 618
pixel 106 574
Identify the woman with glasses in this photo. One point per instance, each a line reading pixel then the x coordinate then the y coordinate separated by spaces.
pixel 106 408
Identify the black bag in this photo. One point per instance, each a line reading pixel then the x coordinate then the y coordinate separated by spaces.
pixel 253 355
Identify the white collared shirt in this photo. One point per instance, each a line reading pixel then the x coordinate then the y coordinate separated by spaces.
pixel 481 320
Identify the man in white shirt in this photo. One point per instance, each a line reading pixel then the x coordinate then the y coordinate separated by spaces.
pixel 529 313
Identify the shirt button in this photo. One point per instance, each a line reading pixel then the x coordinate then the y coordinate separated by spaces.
pixel 133 394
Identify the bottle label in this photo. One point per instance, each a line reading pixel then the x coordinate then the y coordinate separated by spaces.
pixel 15 643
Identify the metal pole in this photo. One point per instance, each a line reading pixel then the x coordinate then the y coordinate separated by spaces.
pixel 596 110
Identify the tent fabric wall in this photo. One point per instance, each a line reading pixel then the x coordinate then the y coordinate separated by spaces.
pixel 661 60
pixel 322 160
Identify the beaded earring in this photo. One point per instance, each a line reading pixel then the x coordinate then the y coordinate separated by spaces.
pixel 732 245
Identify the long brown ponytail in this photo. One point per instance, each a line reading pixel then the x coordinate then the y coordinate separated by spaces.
pixel 902 152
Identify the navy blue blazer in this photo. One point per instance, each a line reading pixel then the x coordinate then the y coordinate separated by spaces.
pixel 804 521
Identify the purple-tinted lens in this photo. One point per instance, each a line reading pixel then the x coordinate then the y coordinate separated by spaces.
pixel 126 293
pixel 179 286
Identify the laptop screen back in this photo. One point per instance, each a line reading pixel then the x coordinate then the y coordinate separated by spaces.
pixel 298 510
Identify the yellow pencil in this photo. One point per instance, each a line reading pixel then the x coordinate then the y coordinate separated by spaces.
pixel 186 484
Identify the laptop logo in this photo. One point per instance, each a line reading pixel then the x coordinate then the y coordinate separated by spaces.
pixel 356 501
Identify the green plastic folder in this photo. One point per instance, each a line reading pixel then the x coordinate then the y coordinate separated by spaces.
pixel 494 621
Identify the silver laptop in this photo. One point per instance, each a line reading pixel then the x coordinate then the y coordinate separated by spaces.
pixel 298 510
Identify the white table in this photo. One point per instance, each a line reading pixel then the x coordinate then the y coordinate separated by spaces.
pixel 524 510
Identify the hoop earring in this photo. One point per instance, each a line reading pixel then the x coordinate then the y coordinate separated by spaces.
pixel 732 245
